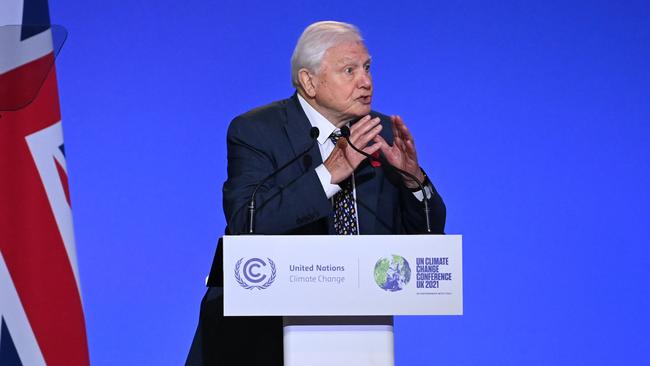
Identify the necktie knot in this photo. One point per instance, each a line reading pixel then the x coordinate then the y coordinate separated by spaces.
pixel 335 136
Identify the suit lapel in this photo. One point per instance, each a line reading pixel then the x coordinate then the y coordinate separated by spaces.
pixel 297 129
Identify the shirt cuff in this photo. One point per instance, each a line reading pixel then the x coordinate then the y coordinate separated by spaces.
pixel 427 190
pixel 325 178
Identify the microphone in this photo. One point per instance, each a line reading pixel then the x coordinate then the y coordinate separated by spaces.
pixel 313 133
pixel 345 132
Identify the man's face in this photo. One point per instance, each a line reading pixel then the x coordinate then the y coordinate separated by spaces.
pixel 343 85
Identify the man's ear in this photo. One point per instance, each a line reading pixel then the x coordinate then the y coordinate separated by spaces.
pixel 307 82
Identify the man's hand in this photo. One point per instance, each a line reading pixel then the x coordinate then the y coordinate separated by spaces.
pixel 344 160
pixel 402 154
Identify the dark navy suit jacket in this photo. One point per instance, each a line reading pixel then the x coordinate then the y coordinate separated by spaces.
pixel 294 201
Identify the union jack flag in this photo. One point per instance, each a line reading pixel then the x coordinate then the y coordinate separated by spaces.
pixel 41 314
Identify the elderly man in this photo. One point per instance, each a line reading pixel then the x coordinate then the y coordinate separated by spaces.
pixel 334 190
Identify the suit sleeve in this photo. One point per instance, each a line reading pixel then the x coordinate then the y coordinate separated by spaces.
pixel 281 207
pixel 413 218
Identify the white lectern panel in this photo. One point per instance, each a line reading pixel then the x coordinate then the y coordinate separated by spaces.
pixel 340 345
pixel 343 275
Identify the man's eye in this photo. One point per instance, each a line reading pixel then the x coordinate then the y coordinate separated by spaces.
pixel 367 67
pixel 348 70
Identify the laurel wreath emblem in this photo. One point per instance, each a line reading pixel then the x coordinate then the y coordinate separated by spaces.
pixel 259 287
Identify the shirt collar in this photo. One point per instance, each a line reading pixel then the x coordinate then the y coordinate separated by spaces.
pixel 325 127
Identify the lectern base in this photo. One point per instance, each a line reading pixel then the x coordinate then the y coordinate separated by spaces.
pixel 338 345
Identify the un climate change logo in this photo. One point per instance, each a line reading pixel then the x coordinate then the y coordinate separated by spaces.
pixel 392 273
pixel 255 271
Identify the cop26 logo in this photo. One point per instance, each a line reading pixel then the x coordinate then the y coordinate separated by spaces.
pixel 257 274
pixel 392 273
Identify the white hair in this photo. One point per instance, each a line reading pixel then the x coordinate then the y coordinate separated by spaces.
pixel 315 41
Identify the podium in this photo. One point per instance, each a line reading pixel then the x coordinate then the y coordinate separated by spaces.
pixel 337 294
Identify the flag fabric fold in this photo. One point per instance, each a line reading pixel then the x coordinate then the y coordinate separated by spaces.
pixel 41 312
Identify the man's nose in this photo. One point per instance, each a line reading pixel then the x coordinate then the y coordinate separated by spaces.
pixel 364 81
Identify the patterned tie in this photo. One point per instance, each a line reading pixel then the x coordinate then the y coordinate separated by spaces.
pixel 345 213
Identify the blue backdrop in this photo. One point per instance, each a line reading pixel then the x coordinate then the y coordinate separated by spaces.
pixel 531 118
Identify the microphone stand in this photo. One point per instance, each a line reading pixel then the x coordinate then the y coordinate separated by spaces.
pixel 345 132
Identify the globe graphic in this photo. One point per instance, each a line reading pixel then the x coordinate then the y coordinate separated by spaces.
pixel 392 273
